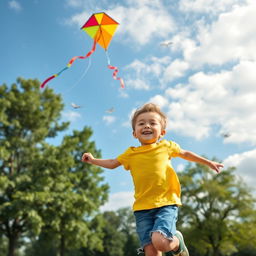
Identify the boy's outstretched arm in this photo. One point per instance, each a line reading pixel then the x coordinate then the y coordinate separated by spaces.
pixel 190 156
pixel 106 163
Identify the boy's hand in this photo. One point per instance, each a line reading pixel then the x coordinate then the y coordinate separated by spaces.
pixel 215 166
pixel 87 157
pixel 106 163
pixel 190 156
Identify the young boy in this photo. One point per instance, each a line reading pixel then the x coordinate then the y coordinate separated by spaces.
pixel 157 188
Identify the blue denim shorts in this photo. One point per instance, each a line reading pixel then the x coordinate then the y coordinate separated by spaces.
pixel 162 220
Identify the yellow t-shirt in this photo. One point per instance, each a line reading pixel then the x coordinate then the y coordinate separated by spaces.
pixel 155 182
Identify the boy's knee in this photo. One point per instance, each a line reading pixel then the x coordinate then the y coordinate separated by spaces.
pixel 150 250
pixel 158 241
pixel 162 243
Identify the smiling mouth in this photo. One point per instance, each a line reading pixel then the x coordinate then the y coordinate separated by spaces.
pixel 147 132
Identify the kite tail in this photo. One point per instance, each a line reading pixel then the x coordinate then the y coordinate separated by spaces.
pixel 115 75
pixel 115 72
pixel 69 64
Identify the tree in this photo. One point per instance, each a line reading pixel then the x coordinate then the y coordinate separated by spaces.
pixel 128 228
pixel 27 117
pixel 42 186
pixel 48 242
pixel 118 235
pixel 114 239
pixel 215 210
pixel 245 235
pixel 3 246
pixel 76 193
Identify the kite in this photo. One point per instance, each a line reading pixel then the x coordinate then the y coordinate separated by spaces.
pixel 101 28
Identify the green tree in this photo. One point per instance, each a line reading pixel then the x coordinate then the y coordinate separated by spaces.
pixel 118 235
pixel 3 246
pixel 47 242
pixel 215 211
pixel 27 117
pixel 113 241
pixel 44 187
pixel 76 193
pixel 245 235
pixel 128 228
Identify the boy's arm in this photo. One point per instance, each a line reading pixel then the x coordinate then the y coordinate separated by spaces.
pixel 190 156
pixel 106 163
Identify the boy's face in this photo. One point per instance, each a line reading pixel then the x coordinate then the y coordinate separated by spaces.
pixel 148 128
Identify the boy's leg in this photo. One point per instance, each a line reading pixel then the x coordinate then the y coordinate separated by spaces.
pixel 176 246
pixel 157 231
pixel 150 250
pixel 165 238
pixel 164 244
pixel 144 225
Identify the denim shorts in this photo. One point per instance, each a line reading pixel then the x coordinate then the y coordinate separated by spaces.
pixel 162 220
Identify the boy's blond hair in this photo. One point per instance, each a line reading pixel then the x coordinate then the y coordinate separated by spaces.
pixel 149 107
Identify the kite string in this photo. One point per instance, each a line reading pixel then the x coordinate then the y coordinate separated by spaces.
pixel 108 59
pixel 70 63
pixel 82 76
pixel 115 71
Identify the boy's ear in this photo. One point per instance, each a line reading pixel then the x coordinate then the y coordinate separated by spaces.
pixel 163 132
pixel 134 134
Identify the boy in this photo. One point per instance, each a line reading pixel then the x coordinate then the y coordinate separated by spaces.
pixel 157 188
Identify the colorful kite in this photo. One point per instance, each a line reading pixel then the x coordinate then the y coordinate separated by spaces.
pixel 101 28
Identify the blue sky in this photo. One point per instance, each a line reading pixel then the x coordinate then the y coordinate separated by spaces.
pixel 205 80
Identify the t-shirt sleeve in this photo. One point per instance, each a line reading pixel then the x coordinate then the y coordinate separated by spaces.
pixel 174 149
pixel 124 159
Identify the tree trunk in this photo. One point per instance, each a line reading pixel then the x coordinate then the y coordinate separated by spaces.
pixel 216 251
pixel 12 245
pixel 62 246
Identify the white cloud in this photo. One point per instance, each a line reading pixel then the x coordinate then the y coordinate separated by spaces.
pixel 141 75
pixel 228 39
pixel 212 6
pixel 225 99
pixel 149 19
pixel 141 21
pixel 109 119
pixel 71 115
pixel 182 43
pixel 159 100
pixel 79 18
pixel 176 69
pixel 245 164
pixel 15 5
pixel 118 200
pixel 137 84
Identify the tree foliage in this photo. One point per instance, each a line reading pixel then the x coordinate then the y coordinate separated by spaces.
pixel 118 235
pixel 44 187
pixel 216 210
